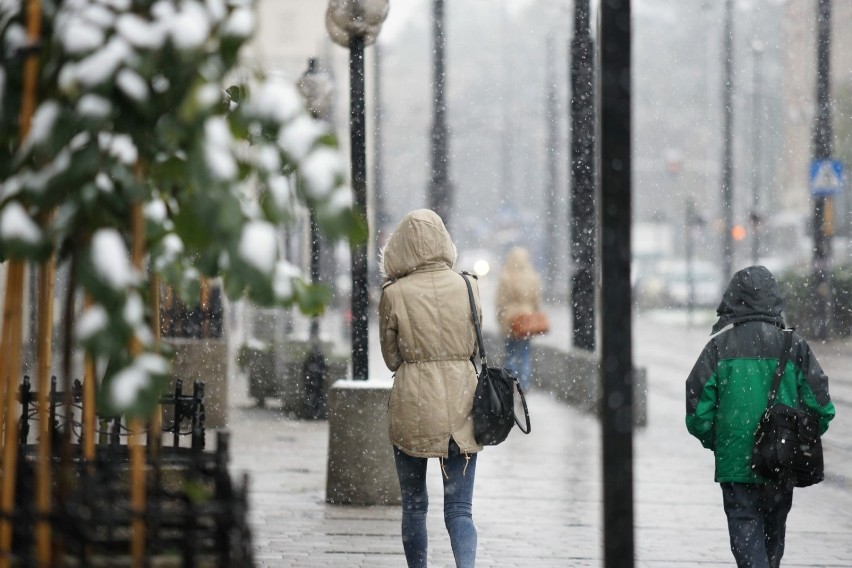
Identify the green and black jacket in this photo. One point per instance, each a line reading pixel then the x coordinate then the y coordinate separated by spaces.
pixel 727 390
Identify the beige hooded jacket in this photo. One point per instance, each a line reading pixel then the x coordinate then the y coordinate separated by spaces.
pixel 519 290
pixel 427 339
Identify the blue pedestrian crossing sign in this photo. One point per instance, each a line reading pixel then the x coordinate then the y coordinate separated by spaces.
pixel 827 177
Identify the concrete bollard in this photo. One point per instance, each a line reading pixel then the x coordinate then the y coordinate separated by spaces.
pixel 361 469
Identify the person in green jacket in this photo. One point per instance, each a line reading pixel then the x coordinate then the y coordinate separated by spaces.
pixel 727 393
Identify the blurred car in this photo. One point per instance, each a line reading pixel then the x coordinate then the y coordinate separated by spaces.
pixel 668 284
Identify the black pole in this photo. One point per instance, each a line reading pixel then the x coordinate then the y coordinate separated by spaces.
pixel 756 147
pixel 551 209
pixel 316 254
pixel 440 194
pixel 506 107
pixel 381 214
pixel 689 252
pixel 360 292
pixel 823 204
pixel 616 313
pixel 314 369
pixel 583 237
pixel 728 142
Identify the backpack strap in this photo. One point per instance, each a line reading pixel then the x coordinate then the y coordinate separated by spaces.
pixel 782 364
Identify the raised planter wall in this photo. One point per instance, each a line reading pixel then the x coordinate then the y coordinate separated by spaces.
pixel 574 376
pixel 361 468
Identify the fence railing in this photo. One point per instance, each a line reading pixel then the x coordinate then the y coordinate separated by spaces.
pixel 194 515
pixel 186 410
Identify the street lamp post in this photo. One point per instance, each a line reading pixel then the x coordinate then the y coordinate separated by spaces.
pixel 693 222
pixel 440 188
pixel 583 188
pixel 617 374
pixel 380 212
pixel 550 200
pixel 756 110
pixel 728 142
pixel 822 150
pixel 355 24
pixel 316 87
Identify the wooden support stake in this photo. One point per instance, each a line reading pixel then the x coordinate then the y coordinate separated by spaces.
pixel 89 416
pixel 156 423
pixel 11 349
pixel 137 492
pixel 28 103
pixel 12 312
pixel 44 469
pixel 137 451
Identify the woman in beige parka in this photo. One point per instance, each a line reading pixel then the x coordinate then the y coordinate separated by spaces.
pixel 427 339
pixel 519 292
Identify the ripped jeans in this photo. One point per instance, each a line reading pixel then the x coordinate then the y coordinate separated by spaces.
pixel 458 472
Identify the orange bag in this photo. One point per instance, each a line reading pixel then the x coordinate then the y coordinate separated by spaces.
pixel 526 325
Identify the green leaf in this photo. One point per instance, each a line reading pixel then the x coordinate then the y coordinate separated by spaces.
pixel 197 492
pixel 312 298
pixel 346 224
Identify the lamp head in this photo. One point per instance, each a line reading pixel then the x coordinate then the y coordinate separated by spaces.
pixel 317 88
pixel 345 19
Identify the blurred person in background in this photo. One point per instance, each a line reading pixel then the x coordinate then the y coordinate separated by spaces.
pixel 518 294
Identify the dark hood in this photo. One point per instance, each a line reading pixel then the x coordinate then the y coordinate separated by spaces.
pixel 752 295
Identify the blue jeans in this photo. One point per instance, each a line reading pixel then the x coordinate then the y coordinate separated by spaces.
pixel 518 359
pixel 757 522
pixel 458 474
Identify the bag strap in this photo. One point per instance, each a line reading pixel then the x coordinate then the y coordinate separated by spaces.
pixel 483 361
pixel 782 364
pixel 526 412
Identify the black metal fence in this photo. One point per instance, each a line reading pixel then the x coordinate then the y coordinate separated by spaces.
pixel 186 413
pixel 195 514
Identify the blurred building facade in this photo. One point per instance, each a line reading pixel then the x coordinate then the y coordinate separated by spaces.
pixel 496 78
pixel 799 91
pixel 288 33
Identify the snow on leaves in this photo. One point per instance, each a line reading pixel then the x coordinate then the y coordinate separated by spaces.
pixel 135 110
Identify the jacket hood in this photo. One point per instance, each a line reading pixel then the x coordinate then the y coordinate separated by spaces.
pixel 419 240
pixel 752 295
pixel 518 260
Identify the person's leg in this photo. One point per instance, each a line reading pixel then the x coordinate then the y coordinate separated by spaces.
pixel 517 359
pixel 776 500
pixel 745 523
pixel 512 354
pixel 460 470
pixel 415 504
pixel 525 372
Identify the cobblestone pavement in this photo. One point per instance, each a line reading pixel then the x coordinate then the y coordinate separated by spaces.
pixel 538 498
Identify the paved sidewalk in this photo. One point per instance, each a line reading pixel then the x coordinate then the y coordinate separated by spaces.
pixel 538 497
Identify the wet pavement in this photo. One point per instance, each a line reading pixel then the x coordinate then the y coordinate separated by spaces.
pixel 538 498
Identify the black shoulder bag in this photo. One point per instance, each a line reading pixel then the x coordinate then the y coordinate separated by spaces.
pixel 787 446
pixel 494 398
